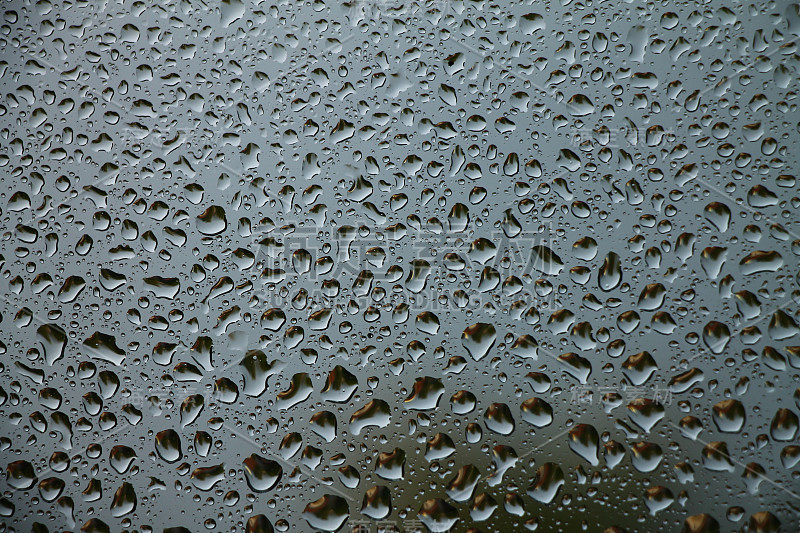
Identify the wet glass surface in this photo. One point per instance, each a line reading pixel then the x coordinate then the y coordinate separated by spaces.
pixel 399 266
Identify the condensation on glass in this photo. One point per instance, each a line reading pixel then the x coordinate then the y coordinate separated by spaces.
pixel 399 266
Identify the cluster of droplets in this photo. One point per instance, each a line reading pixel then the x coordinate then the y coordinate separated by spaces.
pixel 309 265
